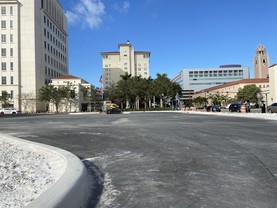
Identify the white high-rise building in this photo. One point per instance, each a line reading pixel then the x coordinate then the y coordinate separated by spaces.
pixel 34 49
pixel 197 79
pixel 127 60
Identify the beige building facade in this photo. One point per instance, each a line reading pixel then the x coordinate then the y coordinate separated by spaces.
pixel 34 49
pixel 76 84
pixel 126 60
pixel 261 62
pixel 272 84
pixel 231 89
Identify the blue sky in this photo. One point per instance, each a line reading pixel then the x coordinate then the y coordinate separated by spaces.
pixel 179 33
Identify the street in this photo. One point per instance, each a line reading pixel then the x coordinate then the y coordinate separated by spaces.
pixel 166 160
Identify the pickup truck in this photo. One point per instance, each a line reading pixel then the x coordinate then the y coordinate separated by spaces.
pixel 8 111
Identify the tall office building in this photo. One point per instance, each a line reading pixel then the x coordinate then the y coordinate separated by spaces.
pixel 34 49
pixel 261 63
pixel 196 79
pixel 127 60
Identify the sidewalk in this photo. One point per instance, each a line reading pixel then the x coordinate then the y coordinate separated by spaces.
pixel 270 116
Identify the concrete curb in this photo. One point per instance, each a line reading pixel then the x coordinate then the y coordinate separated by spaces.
pixel 266 116
pixel 71 190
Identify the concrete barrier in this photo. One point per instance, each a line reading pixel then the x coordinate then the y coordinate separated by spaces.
pixel 71 190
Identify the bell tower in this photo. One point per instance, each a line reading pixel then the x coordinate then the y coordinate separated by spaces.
pixel 261 63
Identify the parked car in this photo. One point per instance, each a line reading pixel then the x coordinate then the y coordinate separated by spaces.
pixel 114 111
pixel 215 108
pixel 235 107
pixel 272 108
pixel 8 111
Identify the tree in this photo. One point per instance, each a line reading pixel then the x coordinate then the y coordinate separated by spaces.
pixel 5 99
pixel 163 87
pixel 248 93
pixel 217 98
pixel 91 96
pixel 136 90
pixel 147 88
pixel 198 100
pixel 69 96
pixel 52 94
pixel 125 89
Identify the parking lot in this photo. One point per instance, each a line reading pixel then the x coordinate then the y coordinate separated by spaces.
pixel 166 159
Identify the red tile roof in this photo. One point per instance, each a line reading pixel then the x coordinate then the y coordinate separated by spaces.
pixel 273 65
pixel 242 81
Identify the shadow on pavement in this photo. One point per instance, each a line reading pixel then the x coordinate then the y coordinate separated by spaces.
pixel 96 181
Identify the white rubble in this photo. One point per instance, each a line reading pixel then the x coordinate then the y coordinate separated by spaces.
pixel 26 171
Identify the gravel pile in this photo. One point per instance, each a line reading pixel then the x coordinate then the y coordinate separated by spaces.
pixel 25 173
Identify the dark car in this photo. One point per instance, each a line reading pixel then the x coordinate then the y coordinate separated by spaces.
pixel 272 108
pixel 214 108
pixel 114 111
pixel 235 107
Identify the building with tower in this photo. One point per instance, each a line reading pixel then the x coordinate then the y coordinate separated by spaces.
pixel 261 63
pixel 126 60
pixel 34 49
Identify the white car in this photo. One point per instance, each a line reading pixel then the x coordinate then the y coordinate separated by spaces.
pixel 8 111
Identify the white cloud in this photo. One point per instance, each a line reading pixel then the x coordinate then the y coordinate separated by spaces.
pixel 124 7
pixel 88 13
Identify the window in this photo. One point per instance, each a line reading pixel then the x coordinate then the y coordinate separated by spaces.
pixel 11 66
pixel 4 66
pixel 11 38
pixel 3 38
pixel 11 51
pixel 11 24
pixel 11 80
pixel 4 81
pixel 11 10
pixel 3 10
pixel 3 52
pixel 11 94
pixel 3 24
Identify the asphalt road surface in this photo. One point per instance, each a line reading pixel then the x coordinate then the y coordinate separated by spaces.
pixel 158 160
